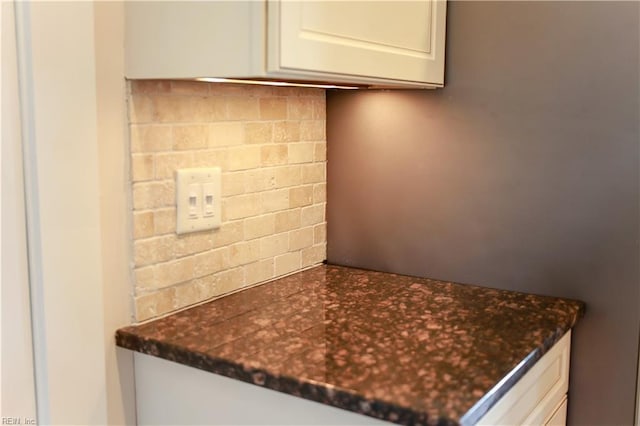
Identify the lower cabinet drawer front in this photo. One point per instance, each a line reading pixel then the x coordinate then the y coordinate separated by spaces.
pixel 559 417
pixel 534 398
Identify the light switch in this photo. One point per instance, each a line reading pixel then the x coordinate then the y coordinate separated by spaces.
pixel 208 196
pixel 197 199
pixel 194 200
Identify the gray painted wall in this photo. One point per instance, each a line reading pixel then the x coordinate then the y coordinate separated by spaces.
pixel 522 173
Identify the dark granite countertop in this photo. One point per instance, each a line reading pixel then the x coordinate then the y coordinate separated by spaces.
pixel 404 349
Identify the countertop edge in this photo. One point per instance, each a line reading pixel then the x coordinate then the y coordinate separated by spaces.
pixel 302 388
pixel 330 395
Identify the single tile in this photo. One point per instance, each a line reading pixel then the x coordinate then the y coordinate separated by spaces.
pixel 143 224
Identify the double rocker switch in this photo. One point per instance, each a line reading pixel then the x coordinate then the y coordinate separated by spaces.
pixel 197 199
pixel 201 200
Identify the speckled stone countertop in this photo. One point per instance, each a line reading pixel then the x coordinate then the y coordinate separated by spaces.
pixel 403 349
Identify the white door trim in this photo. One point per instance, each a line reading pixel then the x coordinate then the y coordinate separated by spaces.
pixel 19 399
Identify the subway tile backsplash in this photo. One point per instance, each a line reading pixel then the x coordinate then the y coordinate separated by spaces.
pixel 270 143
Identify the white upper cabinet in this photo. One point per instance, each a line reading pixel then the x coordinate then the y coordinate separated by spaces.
pixel 394 40
pixel 378 43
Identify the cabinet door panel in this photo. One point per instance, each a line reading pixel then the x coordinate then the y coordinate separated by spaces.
pixel 399 25
pixel 402 40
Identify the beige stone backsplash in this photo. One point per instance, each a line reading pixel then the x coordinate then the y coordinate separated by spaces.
pixel 270 143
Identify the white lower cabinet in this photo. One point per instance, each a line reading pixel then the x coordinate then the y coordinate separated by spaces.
pixel 171 393
pixel 539 397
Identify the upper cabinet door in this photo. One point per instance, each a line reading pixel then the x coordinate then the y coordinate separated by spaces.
pixel 396 40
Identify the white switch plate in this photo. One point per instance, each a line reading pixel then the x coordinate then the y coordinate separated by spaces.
pixel 198 199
